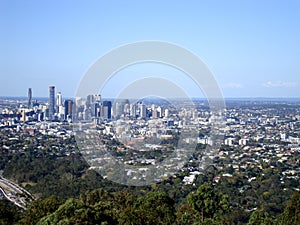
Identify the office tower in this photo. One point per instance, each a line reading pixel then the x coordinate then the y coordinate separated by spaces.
pixel 58 99
pixel 51 101
pixel 132 110
pixel 166 112
pixel 87 113
pixel 143 110
pixel 59 103
pixel 118 109
pixel 106 110
pixel 29 98
pixel 159 111
pixel 90 99
pixel 68 109
pixel 96 111
pixel 127 109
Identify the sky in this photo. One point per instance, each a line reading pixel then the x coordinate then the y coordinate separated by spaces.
pixel 251 47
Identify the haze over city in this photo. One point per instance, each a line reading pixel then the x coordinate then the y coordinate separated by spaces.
pixel 252 47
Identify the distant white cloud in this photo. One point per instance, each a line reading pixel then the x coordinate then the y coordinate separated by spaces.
pixel 284 84
pixel 232 85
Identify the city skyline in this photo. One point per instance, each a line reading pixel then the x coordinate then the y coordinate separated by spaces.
pixel 251 47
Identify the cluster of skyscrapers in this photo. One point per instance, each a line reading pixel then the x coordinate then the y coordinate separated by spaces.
pixel 93 108
pixel 55 109
pixel 80 109
pixel 90 108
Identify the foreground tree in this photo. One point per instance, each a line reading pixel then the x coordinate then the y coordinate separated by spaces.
pixel 291 214
pixel 260 217
pixel 153 208
pixel 40 208
pixel 208 203
pixel 74 211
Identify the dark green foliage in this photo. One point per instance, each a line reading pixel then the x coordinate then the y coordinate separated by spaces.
pixel 205 206
pixel 291 214
pixel 208 221
pixel 237 216
pixel 208 203
pixel 74 211
pixel 9 213
pixel 99 206
pixel 94 207
pixel 186 215
pixel 38 209
pixel 259 217
pixel 153 208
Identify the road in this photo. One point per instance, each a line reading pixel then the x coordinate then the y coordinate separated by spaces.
pixel 14 193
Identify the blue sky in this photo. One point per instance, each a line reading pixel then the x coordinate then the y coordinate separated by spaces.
pixel 252 47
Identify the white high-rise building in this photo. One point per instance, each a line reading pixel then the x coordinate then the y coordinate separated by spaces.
pixel 166 112
pixel 118 109
pixel 58 99
pixel 126 109
pixel 59 103
pixel 132 110
pixel 159 111
pixel 143 110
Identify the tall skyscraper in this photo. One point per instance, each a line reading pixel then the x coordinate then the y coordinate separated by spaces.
pixel 68 109
pixel 96 111
pixel 106 110
pixel 133 110
pixel 58 106
pixel 90 99
pixel 51 101
pixel 118 109
pixel 29 98
pixel 143 110
pixel 58 99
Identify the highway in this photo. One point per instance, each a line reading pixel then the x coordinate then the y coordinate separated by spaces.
pixel 14 193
